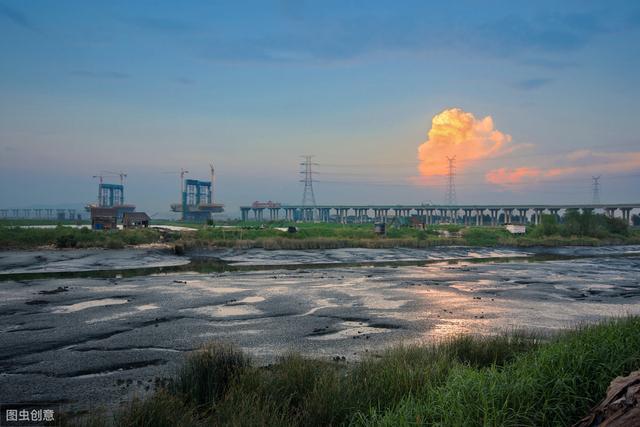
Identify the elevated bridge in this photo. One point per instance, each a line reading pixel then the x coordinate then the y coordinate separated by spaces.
pixel 475 214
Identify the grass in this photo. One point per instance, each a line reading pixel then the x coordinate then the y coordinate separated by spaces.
pixel 67 237
pixel 510 380
pixel 330 236
pixel 309 236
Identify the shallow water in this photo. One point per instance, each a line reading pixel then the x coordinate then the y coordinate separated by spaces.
pixel 88 340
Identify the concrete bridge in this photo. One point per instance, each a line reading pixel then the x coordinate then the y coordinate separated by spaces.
pixel 38 213
pixel 430 214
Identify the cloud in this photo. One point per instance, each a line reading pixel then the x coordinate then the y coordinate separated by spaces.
pixel 16 17
pixel 455 132
pixel 510 176
pixel 532 84
pixel 579 162
pixel 109 75
pixel 555 33
pixel 308 34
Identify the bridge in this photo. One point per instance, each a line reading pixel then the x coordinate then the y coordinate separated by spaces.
pixel 39 213
pixel 477 214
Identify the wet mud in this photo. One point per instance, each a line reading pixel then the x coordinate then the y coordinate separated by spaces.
pixel 91 340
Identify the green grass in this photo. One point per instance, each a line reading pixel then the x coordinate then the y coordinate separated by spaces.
pixel 329 236
pixel 508 380
pixel 67 237
pixel 309 236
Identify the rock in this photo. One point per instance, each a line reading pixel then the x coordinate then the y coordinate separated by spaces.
pixel 620 407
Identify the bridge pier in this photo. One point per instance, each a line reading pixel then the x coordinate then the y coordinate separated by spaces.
pixel 380 214
pixel 273 214
pixel 325 214
pixel 626 215
pixel 522 214
pixel 429 217
pixel 539 212
pixel 465 216
pixel 257 213
pixel 479 217
pixel 454 215
pixel 342 214
pixel 508 212
pixel 494 216
pixel 244 213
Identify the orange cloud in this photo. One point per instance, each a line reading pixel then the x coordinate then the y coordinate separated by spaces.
pixel 512 176
pixel 591 163
pixel 455 132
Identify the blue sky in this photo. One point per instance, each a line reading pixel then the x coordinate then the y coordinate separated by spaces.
pixel 149 87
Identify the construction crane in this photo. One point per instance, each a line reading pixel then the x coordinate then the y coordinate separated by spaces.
pixel 213 179
pixel 101 180
pixel 182 173
pixel 121 174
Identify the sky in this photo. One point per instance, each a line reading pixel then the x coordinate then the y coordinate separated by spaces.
pixel 531 99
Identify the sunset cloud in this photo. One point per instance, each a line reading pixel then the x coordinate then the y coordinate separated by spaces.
pixel 580 161
pixel 455 132
pixel 512 176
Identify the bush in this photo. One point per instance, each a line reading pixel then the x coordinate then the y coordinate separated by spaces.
pixel 66 241
pixel 161 410
pixel 207 373
pixel 481 236
pixel 114 243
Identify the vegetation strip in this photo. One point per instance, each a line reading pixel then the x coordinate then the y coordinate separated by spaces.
pixel 509 380
pixel 574 228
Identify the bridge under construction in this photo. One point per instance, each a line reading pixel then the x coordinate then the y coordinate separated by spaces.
pixel 427 214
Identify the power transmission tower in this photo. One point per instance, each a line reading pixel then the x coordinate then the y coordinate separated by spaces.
pixel 451 189
pixel 308 197
pixel 596 190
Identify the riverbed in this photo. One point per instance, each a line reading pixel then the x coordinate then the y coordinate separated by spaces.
pixel 99 339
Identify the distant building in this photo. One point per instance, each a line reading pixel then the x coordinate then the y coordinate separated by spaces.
pixel 135 220
pixel 516 228
pixel 104 218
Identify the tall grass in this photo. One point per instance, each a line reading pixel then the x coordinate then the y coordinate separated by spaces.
pixel 67 237
pixel 309 236
pixel 507 380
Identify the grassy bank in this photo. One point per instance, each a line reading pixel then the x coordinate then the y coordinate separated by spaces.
pixel 506 380
pixel 67 237
pixel 330 236
pixel 327 236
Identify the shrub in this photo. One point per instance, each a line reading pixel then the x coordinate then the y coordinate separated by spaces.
pixel 66 241
pixel 114 243
pixel 207 373
pixel 481 236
